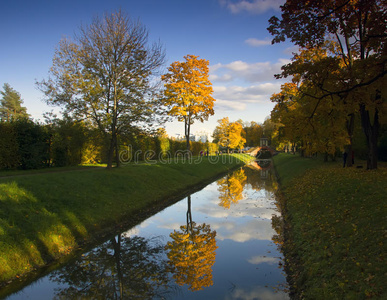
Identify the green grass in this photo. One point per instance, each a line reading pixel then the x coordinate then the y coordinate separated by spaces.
pixel 335 244
pixel 46 216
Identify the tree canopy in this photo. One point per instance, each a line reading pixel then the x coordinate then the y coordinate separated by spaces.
pixel 11 105
pixel 343 57
pixel 188 90
pixel 105 75
pixel 229 134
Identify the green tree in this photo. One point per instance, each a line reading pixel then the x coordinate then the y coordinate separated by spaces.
pixel 11 105
pixel 33 147
pixel 105 75
pixel 188 92
pixel 9 148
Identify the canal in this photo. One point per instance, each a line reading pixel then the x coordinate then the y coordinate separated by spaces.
pixel 219 243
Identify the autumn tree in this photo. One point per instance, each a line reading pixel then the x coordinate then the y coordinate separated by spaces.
pixel 11 105
pixel 105 75
pixel 358 28
pixel 253 133
pixel 324 132
pixel 229 134
pixel 188 91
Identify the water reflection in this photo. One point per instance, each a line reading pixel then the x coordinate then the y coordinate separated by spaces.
pixel 231 188
pixel 122 268
pixel 219 243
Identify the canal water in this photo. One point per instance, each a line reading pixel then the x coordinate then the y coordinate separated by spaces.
pixel 219 243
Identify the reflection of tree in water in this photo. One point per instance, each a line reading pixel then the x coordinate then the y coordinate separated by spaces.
pixel 256 180
pixel 231 188
pixel 123 268
pixel 192 253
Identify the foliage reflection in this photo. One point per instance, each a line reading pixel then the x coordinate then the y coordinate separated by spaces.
pixel 191 253
pixel 231 188
pixel 123 268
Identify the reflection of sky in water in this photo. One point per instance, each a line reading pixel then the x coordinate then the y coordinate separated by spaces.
pixel 246 265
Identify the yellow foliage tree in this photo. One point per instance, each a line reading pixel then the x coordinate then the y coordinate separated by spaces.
pixel 229 135
pixel 188 90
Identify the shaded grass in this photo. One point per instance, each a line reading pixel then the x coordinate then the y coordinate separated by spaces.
pixel 46 216
pixel 336 217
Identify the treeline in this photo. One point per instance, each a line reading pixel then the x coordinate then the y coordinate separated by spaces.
pixel 25 144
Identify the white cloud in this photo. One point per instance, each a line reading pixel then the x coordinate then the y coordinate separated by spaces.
pixel 229 105
pixel 251 72
pixel 238 83
pixel 236 97
pixel 252 6
pixel 257 43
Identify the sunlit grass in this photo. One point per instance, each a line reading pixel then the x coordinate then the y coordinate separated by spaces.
pixel 337 219
pixel 47 215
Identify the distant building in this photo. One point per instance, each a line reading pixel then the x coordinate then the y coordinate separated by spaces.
pixel 192 138
pixel 264 141
pixel 203 138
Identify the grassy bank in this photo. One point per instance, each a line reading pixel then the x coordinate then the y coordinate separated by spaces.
pixel 335 228
pixel 46 216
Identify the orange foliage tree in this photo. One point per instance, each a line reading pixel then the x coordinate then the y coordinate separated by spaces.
pixel 188 90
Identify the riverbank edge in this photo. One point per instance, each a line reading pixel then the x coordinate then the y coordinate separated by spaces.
pixel 297 260
pixel 126 221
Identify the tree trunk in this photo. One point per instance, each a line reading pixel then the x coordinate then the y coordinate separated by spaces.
pixel 187 132
pixel 117 153
pixel 117 256
pixel 189 215
pixel 113 141
pixel 371 132
pixel 350 128
pixel 111 152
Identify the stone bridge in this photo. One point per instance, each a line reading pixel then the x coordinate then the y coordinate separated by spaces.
pixel 266 148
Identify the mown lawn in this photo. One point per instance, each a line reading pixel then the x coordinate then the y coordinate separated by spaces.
pixel 336 228
pixel 46 216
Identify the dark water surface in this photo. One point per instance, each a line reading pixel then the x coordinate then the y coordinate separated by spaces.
pixel 218 243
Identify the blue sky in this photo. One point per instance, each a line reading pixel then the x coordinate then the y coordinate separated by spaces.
pixel 231 34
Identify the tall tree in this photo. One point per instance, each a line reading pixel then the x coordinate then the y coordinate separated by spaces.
pixel 188 92
pixel 11 105
pixel 105 75
pixel 359 28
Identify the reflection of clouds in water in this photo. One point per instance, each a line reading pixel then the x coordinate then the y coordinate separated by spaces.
pixel 171 226
pixel 256 209
pixel 253 230
pixel 132 232
pixel 256 260
pixel 256 293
